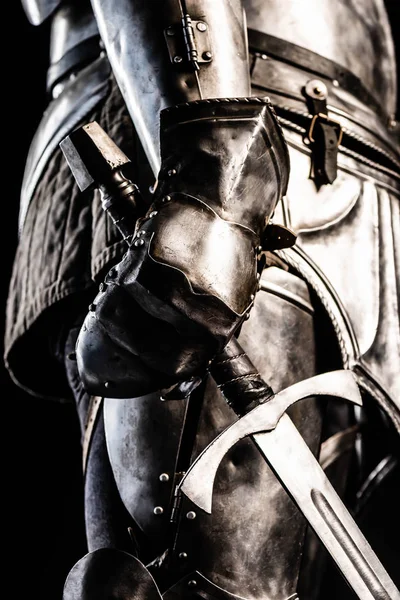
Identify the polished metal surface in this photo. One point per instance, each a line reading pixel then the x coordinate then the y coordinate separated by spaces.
pixel 300 473
pixel 37 11
pixel 353 33
pixel 191 275
pixel 109 573
pixel 151 431
pixel 326 513
pixel 198 482
pixel 216 546
pixel 149 81
pixel 354 221
pixel 71 25
pixel 192 270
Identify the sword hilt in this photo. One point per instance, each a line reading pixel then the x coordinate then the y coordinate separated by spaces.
pixel 238 379
pixel 96 162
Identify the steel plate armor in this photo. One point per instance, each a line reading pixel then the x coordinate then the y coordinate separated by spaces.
pixel 258 143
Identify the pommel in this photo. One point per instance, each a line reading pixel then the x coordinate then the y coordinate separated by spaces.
pixel 92 156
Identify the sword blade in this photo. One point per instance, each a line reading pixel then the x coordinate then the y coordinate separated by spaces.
pixel 301 475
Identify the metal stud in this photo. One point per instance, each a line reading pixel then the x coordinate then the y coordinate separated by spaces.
pixel 139 242
pixel 335 83
pixel 158 510
pixel 192 583
pixel 182 555
pixel 166 199
pixel 315 88
pixel 178 59
pixel 252 297
pixel 153 213
pixel 72 356
pixel 108 384
pixel 170 31
pixel 164 477
pixel 171 172
pixel 207 55
pixel 201 26
pixel 191 515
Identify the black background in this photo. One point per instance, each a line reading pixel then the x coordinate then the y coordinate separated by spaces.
pixel 41 472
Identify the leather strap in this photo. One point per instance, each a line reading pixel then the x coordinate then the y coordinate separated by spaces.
pixel 312 62
pixel 81 54
pixel 324 135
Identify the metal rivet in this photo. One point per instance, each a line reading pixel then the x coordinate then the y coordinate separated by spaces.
pixel 191 515
pixel 306 141
pixel 182 555
pixel 201 26
pixel 316 89
pixel 108 384
pixel 92 307
pixel 171 172
pixel 158 510
pixel 207 55
pixel 57 90
pixel 177 59
pixel 258 276
pixel 259 248
pixel 335 83
pixel 72 356
pixel 252 297
pixel 192 583
pixel 164 477
pixel 139 242
pixel 247 316
pixel 153 213
pixel 170 31
pixel 264 57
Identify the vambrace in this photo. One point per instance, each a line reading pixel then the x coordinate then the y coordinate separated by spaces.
pixel 190 275
pixel 170 52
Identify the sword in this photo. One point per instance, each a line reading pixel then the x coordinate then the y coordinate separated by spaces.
pixel 286 452
pixel 97 162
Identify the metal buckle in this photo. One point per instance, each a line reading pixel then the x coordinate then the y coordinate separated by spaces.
pixel 335 124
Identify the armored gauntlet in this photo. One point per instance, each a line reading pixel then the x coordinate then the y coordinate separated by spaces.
pixel 189 277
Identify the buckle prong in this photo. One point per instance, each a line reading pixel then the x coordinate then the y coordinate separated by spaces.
pixel 328 121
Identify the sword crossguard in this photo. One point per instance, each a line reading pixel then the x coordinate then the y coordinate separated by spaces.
pixel 198 483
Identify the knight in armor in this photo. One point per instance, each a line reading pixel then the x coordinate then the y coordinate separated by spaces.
pixel 263 141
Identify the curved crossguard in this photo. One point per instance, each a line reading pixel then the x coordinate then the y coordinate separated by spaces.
pixel 284 449
pixel 265 417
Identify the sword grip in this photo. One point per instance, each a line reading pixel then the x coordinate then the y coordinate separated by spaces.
pixel 238 379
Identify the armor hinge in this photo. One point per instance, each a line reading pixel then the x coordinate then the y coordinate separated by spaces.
pixel 189 42
pixel 324 135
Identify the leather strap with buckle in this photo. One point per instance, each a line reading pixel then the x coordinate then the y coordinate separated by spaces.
pixel 324 135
